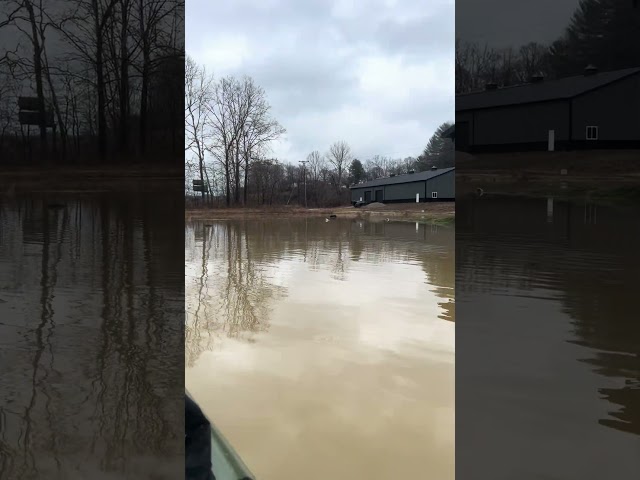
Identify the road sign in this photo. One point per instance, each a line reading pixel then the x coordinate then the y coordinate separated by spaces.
pixel 199 186
pixel 30 112
pixel 33 118
pixel 29 103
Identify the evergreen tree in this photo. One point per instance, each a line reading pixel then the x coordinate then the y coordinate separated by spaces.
pixel 356 172
pixel 439 152
pixel 603 33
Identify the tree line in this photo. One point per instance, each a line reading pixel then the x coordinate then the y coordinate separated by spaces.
pixel 602 33
pixel 229 129
pixel 106 76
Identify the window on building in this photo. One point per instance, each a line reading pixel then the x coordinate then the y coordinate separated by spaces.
pixel 592 133
pixel 434 194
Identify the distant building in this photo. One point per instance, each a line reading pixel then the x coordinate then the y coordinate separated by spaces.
pixel 431 185
pixel 588 111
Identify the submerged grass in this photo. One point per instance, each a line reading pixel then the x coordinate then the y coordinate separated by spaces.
pixel 15 181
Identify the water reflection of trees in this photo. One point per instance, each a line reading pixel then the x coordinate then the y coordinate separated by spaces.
pixel 228 293
pixel 589 265
pixel 602 304
pixel 103 349
pixel 231 264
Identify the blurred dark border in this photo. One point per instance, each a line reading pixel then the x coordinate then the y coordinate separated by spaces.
pixel 539 192
pixel 91 150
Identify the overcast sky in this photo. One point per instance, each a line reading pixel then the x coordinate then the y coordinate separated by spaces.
pixel 378 74
pixel 503 23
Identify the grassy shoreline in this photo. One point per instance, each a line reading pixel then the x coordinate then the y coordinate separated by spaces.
pixel 597 176
pixel 598 190
pixel 18 180
pixel 436 213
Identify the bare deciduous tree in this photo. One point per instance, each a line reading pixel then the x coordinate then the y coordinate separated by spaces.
pixel 259 130
pixel 121 53
pixel 198 89
pixel 339 156
pixel 241 129
pixel 476 65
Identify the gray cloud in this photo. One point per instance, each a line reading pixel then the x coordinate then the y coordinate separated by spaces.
pixel 504 23
pixel 378 74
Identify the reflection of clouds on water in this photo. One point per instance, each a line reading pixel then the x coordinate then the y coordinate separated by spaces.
pixel 292 400
pixel 427 337
pixel 383 300
pixel 345 350
pixel 280 274
pixel 236 269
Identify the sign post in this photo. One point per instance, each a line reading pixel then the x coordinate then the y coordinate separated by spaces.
pixel 31 113
pixel 304 166
pixel 198 186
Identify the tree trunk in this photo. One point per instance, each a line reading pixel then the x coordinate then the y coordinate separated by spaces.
pixel 236 193
pixel 143 101
pixel 37 68
pixel 124 77
pixel 246 177
pixel 144 82
pixel 56 108
pixel 201 162
pixel 100 84
pixel 227 175
pixel 102 116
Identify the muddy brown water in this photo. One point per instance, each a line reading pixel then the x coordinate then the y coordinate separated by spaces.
pixel 325 349
pixel 91 335
pixel 548 338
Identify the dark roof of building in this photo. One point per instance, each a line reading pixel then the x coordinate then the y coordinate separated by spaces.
pixel 406 178
pixel 449 132
pixel 563 88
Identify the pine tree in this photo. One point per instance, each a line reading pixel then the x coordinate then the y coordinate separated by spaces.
pixel 604 33
pixel 439 152
pixel 356 172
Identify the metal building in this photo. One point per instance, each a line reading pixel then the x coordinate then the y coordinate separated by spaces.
pixel 588 111
pixel 431 185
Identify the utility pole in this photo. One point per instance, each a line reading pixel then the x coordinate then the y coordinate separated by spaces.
pixel 304 170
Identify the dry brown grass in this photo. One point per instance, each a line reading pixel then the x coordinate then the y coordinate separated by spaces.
pixel 87 179
pixel 541 173
pixel 440 211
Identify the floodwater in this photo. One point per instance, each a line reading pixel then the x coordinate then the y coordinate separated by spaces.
pixel 548 379
pixel 91 335
pixel 325 349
